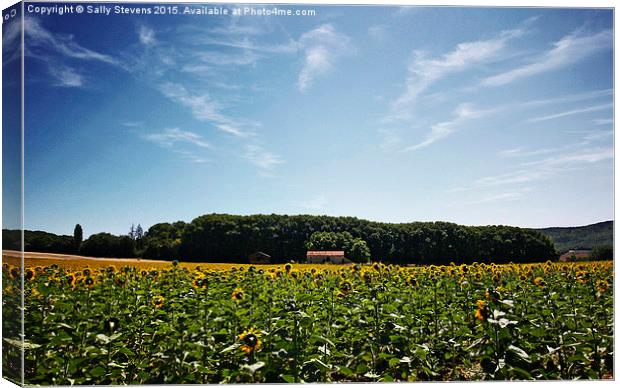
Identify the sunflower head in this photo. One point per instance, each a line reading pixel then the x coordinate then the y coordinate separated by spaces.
pixel 158 301
pixel 540 282
pixel 602 286
pixel 70 279
pixel 237 294
pixel 89 282
pixel 288 268
pixel 250 341
pixel 345 287
pixel 481 312
pixel 15 272
pixel 200 282
pixel 29 274
pixel 581 276
pixel 412 281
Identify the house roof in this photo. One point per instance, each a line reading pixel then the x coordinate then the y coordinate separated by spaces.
pixel 325 253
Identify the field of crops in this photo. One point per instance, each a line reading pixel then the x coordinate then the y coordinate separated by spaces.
pixel 304 323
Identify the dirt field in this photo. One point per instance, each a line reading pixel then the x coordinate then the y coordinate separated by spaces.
pixel 33 259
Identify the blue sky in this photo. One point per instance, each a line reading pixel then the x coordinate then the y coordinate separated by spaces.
pixel 469 115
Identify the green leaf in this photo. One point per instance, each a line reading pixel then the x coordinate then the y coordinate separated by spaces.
pixel 230 348
pixel 519 352
pixel 97 371
pixel 288 378
pixel 522 373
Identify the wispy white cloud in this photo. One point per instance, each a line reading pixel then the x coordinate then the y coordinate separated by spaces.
pixel 204 108
pixel 322 46
pixel 59 52
pixel 570 49
pixel 597 136
pixel 146 35
pixel 39 37
pixel 593 155
pixel 501 197
pixel 265 161
pixel 209 73
pixel 463 113
pixel 170 137
pixel 588 95
pixel 570 113
pixel 543 169
pixel 521 152
pixel 603 121
pixel 424 71
pixel 245 43
pixel 65 76
pixel 192 157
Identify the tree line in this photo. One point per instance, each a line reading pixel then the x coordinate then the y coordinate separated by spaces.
pixel 231 238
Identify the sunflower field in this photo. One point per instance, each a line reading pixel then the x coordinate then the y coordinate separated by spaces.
pixel 310 323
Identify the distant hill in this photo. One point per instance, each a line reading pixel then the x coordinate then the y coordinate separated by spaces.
pixel 581 237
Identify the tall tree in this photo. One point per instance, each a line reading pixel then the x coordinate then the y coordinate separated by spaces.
pixel 78 236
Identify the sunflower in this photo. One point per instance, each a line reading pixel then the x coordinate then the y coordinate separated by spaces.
pixel 250 341
pixel 89 282
pixel 345 287
pixel 481 313
pixel 158 301
pixel 200 282
pixel 582 276
pixel 70 279
pixel 29 275
pixel 540 282
pixel 602 286
pixel 237 295
pixel 288 268
pixel 86 271
pixel 34 292
pixel 120 280
pixel 412 281
pixel 15 272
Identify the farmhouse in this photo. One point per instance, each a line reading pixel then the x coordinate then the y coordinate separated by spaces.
pixel 577 254
pixel 326 257
pixel 259 258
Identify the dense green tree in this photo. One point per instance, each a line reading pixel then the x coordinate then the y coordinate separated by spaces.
pixel 78 236
pixel 359 251
pixel 108 245
pixel 230 238
pixel 602 252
